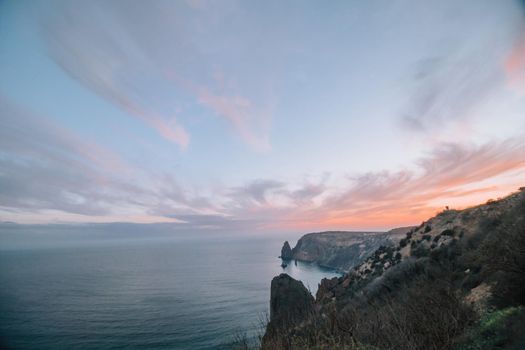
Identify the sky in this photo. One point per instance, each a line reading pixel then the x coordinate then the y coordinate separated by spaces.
pixel 258 115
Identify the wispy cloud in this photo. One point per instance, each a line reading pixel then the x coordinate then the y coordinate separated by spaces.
pixel 166 127
pixel 125 56
pixel 84 181
pixel 48 171
pixel 515 65
pixel 257 192
pixel 45 168
pixel 447 89
pixel 166 62
pixel 107 59
pixel 452 174
pixel 238 110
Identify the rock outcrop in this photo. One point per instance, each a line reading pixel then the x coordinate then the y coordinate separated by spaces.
pixel 290 301
pixel 286 251
pixel 290 304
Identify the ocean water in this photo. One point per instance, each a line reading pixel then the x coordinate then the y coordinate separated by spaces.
pixel 166 292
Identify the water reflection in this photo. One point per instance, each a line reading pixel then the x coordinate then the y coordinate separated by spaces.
pixel 308 273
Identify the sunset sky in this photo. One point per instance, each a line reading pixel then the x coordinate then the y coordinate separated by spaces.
pixel 259 115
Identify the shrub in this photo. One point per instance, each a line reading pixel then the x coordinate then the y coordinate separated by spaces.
pixel 378 270
pixel 420 251
pixel 447 232
pixel 427 237
pixel 500 254
pixel 428 229
pixel 471 281
pixel 423 314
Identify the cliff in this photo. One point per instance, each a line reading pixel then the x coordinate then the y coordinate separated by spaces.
pixel 340 250
pixel 457 281
pixel 290 304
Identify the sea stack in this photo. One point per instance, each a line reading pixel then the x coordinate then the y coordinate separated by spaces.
pixel 290 304
pixel 290 301
pixel 286 251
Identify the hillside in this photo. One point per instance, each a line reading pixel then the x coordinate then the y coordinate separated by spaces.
pixel 341 250
pixel 457 281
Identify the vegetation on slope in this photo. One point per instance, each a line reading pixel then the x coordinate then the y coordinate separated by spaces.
pixel 455 282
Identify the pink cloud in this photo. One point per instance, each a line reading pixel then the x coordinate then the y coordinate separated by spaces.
pixel 108 60
pixel 239 111
pixel 515 64
pixel 167 128
pixel 453 175
pixel 249 122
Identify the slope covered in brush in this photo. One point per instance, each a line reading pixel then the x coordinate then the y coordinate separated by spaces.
pixel 457 281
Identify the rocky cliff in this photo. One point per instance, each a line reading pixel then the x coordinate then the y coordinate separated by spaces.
pixel 290 304
pixel 340 250
pixel 457 281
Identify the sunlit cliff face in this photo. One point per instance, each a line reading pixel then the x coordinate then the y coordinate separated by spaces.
pixel 233 115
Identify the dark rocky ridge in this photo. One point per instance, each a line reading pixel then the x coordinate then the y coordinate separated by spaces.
pixel 340 250
pixel 290 301
pixel 290 304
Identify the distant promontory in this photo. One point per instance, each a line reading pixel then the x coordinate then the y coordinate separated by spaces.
pixel 340 250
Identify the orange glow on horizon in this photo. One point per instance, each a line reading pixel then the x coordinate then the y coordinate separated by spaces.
pixel 391 215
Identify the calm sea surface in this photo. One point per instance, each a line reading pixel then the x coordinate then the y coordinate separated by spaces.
pixel 168 292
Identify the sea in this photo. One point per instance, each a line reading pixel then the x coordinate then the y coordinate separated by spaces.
pixel 125 287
